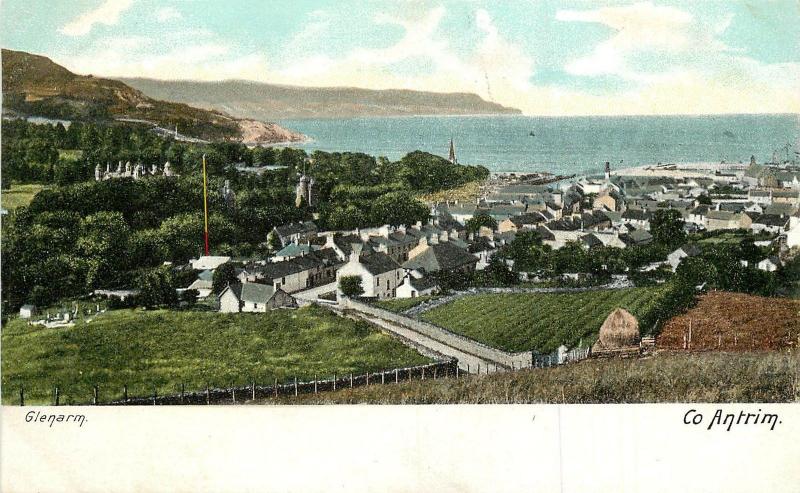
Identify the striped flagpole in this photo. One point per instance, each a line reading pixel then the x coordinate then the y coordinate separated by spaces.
pixel 205 205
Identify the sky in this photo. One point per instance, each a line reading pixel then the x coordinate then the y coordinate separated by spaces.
pixel 544 57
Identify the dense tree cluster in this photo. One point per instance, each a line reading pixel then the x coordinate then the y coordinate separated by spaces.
pixel 81 234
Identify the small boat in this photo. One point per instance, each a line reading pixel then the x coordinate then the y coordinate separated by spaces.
pixel 531 134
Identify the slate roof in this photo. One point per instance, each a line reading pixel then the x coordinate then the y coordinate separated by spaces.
pixel 256 293
pixel 637 215
pixel 529 218
pixel 236 288
pixel 771 220
pixel 441 256
pixel 378 263
pixel 637 237
pixel 296 228
pixel 691 249
pixel 294 250
pixel 422 283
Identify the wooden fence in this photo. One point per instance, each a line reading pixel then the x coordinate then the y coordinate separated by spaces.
pixel 236 395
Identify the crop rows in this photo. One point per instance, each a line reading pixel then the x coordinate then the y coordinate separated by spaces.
pixel 539 321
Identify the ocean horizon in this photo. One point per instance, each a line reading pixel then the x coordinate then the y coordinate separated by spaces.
pixel 560 144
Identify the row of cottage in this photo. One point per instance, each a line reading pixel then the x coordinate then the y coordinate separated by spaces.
pixel 399 261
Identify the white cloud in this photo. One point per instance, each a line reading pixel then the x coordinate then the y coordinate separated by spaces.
pixel 166 14
pixel 107 13
pixel 495 69
pixel 707 76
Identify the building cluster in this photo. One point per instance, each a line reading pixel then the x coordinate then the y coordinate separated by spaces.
pixel 136 171
pixel 611 211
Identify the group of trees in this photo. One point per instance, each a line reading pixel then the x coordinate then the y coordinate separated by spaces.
pixel 82 234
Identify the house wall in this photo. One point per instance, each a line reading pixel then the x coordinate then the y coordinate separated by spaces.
pixel 228 302
pixel 251 307
pixel 293 282
pixel 281 299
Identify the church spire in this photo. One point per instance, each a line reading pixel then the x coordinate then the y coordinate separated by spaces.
pixel 452 156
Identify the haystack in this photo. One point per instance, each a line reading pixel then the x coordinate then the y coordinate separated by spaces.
pixel 619 331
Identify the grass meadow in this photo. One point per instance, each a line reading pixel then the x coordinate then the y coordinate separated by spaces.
pixel 19 195
pixel 765 376
pixel 159 350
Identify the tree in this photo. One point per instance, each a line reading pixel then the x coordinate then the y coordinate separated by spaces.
pixel 474 223
pixel 190 297
pixel 666 226
pixel 704 199
pixel 398 208
pixel 351 286
pixel 157 288
pixel 223 275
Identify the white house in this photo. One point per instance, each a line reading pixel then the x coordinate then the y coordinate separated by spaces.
pixel 27 311
pixel 203 284
pixel 769 264
pixel 689 250
pixel 253 297
pixel 380 274
pixel 413 287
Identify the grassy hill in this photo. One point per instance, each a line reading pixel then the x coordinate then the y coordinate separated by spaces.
pixel 249 99
pixel 162 349
pixel 34 85
pixel 665 377
pixel 540 321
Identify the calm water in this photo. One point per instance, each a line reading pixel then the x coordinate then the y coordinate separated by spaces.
pixel 560 144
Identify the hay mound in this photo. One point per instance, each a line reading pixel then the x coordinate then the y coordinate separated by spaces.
pixel 620 330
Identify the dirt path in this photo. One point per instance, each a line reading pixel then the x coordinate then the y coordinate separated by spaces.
pixel 469 353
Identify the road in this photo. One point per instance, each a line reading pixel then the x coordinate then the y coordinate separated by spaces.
pixel 469 353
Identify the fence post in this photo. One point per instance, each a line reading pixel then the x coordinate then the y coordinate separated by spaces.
pixel 275 387
pixel 423 373
pixel 254 389
pixel 383 378
pixel 125 393
pixel 155 394
pixel 467 367
pixel 435 368
pixel 396 377
pixel 351 380
pixel 22 395
pixel 208 395
pixel 456 371
pixel 367 379
pixel 233 394
pixel 183 391
pixel 315 383
pixel 410 376
pixel 334 381
pixel 512 366
pixel 56 391
pixel 479 368
pixel 295 386
pixel 94 398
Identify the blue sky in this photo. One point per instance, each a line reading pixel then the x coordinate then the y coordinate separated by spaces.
pixel 545 57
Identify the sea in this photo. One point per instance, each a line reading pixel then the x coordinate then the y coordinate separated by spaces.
pixel 562 145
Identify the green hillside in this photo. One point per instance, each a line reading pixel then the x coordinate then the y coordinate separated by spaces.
pixel 162 349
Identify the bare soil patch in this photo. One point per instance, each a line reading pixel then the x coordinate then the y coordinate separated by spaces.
pixel 735 322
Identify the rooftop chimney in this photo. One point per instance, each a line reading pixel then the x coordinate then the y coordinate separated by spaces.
pixel 356 252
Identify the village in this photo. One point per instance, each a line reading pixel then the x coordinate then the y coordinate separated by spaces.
pixel 359 273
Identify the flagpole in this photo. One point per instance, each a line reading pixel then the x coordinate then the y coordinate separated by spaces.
pixel 205 206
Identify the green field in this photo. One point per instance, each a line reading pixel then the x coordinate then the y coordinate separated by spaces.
pixel 162 349
pixel 399 305
pixel 540 321
pixel 19 195
pixel 70 154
